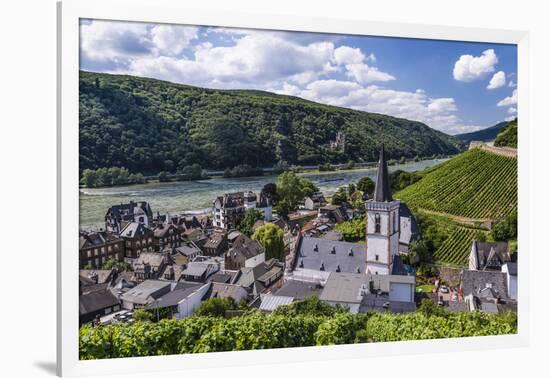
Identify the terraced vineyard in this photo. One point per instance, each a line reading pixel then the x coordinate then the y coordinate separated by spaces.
pixel 456 248
pixel 475 184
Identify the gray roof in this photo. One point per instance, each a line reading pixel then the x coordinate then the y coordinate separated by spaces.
pixel 96 300
pixel 135 230
pixel 223 290
pixel 512 268
pixel 270 302
pixel 174 297
pixel 142 292
pixel 382 190
pixel 484 283
pixel 309 258
pixel 491 255
pixel 195 269
pixel 299 289
pixel 188 248
pixel 344 287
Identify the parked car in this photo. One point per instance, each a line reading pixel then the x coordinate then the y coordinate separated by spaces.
pixel 444 289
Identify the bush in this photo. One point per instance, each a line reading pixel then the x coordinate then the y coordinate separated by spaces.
pixel 215 307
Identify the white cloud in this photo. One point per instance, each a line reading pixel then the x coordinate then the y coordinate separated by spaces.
pixel 512 110
pixel 511 84
pixel 348 55
pixel 470 68
pixel 497 81
pixel 371 58
pixel 364 74
pixel 510 118
pixel 171 40
pixel 510 100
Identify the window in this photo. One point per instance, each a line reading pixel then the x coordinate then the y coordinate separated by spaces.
pixel 377 223
pixel 376 257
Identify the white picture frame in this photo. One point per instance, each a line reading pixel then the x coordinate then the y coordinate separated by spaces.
pixel 166 11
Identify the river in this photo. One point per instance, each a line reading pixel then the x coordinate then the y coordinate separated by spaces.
pixel 197 196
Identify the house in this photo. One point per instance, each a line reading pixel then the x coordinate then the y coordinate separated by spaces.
pixel 270 302
pixel 229 209
pixel 145 293
pixel 486 291
pixel 95 248
pixel 216 244
pixel 315 201
pixel 260 278
pixel 335 213
pixel 186 252
pixel 137 238
pixel 244 252
pixel 488 256
pixel 181 302
pixel 299 290
pixel 95 304
pixel 315 254
pixel 225 290
pixel 511 271
pixel 151 265
pixel 118 216
pixel 166 236
pixel 199 271
pixel 363 292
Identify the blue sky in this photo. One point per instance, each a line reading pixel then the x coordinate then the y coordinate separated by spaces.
pixel 454 87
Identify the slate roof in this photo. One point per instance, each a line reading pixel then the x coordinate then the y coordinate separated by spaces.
pixel 135 230
pixel 404 211
pixel 484 284
pixel 188 249
pixel 214 240
pixel 149 288
pixel 310 257
pixel 223 290
pixel 126 211
pixel 96 300
pixel 174 297
pixel 162 230
pixel 270 302
pixel 344 287
pixel 231 199
pixel 92 239
pixel 246 247
pixel 371 302
pixel 382 190
pixel 154 259
pixel 250 276
pixel 299 289
pixel 491 255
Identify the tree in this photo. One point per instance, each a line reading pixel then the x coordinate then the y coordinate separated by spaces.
pixel 281 166
pixel 308 187
pixel 507 229
pixel 366 185
pixel 163 176
pixel 250 217
pixel 270 191
pixel 353 230
pixel 339 197
pixel 141 315
pixel 272 238
pixel 121 266
pixel 216 307
pixel 190 172
pixel 290 193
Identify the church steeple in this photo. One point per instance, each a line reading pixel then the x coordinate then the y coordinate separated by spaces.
pixel 382 191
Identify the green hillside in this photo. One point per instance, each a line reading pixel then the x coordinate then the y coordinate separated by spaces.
pixel 508 137
pixel 456 248
pixel 149 126
pixel 475 184
pixel 484 135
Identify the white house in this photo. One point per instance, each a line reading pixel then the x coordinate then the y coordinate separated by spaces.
pixel 511 270
pixel 229 209
pixel 184 301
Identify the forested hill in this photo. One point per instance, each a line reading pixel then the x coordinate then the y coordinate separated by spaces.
pixel 148 126
pixel 508 137
pixel 484 135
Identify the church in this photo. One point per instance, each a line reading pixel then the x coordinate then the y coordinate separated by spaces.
pixel 391 227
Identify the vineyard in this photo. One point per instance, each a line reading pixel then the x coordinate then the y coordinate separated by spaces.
pixel 475 184
pixel 456 248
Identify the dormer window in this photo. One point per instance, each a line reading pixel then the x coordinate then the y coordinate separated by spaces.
pixel 333 250
pixel 322 267
pixel 350 253
pixel 316 248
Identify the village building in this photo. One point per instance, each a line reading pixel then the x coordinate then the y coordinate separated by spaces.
pixel 137 238
pixel 261 278
pixel 227 290
pixel 166 236
pixel 244 252
pixel 145 293
pixel 95 248
pixel 118 216
pixel 186 253
pixel 182 301
pixel 228 210
pixel 216 244
pixel 151 265
pixel 95 304
pixel 315 201
pixel 200 270
pixel 486 291
pixel 271 302
pixel 334 213
pixel 488 256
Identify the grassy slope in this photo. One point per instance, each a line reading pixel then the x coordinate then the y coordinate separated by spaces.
pixel 141 124
pixel 508 137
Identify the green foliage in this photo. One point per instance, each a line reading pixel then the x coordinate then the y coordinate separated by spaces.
pixel 270 191
pixel 272 238
pixel 91 178
pixel 400 179
pixel 280 167
pixel 243 170
pixel 190 172
pixel 506 229
pixel 508 137
pixel 474 184
pixel 484 135
pixel 141 123
pixel 121 266
pixel 163 176
pixel 430 308
pixel 254 330
pixel 456 248
pixel 309 306
pixel 339 197
pixel 366 185
pixel 141 315
pixel 327 167
pixel 250 217
pixel 353 230
pixel 215 307
pixel 291 191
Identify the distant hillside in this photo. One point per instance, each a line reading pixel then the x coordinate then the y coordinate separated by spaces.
pixel 475 184
pixel 484 135
pixel 148 126
pixel 508 137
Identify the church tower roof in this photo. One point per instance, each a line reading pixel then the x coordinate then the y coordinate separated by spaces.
pixel 382 191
